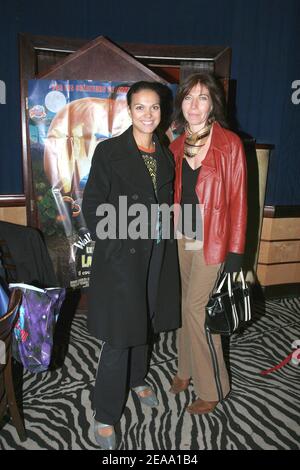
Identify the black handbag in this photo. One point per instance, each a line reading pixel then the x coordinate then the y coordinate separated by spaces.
pixel 228 306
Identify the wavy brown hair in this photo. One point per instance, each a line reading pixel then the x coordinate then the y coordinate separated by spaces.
pixel 216 92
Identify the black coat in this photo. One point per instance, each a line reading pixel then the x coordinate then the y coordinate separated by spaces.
pixel 29 254
pixel 118 286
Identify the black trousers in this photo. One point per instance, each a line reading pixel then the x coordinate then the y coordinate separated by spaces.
pixel 117 368
pixel 120 368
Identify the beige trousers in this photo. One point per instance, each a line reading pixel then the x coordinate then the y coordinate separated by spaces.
pixel 196 360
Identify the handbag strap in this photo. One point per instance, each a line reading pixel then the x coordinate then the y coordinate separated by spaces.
pixel 229 282
pixel 221 283
pixel 244 285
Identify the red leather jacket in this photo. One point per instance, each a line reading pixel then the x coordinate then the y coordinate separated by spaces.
pixel 221 188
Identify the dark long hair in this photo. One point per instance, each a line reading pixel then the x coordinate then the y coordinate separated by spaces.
pixel 139 86
pixel 216 92
pixel 165 97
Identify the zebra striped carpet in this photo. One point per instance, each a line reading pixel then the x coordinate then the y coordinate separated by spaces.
pixel 262 412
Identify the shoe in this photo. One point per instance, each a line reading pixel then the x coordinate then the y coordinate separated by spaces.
pixel 179 385
pixel 201 407
pixel 105 442
pixel 149 400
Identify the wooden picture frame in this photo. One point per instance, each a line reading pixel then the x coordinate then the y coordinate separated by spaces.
pixel 41 57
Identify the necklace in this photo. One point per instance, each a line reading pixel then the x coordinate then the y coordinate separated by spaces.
pixel 195 140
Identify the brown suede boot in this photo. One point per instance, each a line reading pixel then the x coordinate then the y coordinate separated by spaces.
pixel 201 407
pixel 179 385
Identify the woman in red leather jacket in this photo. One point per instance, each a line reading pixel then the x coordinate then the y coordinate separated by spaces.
pixel 210 186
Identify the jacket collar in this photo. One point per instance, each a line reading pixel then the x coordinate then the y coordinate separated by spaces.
pixel 129 164
pixel 219 140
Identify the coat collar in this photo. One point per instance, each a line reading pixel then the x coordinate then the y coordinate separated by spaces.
pixel 129 164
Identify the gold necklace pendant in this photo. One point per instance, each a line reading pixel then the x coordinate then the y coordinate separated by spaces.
pixel 194 141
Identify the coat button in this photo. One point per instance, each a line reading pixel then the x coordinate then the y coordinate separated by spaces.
pixel 135 197
pixel 132 251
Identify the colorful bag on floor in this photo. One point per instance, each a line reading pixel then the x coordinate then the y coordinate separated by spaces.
pixel 33 333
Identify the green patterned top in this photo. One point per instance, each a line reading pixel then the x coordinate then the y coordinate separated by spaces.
pixel 151 163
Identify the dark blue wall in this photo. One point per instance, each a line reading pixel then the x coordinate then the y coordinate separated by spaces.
pixel 265 40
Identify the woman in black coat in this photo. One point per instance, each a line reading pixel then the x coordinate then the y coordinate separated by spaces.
pixel 134 285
